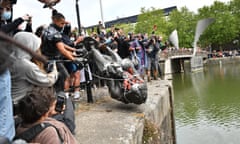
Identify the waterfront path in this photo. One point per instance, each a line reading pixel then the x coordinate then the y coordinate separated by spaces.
pixel 107 121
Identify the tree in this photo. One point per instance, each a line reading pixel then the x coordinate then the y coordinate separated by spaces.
pixel 234 6
pixel 127 27
pixel 151 20
pixel 184 21
pixel 223 30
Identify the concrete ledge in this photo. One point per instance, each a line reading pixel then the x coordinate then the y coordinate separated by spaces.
pixel 111 122
pixel 224 60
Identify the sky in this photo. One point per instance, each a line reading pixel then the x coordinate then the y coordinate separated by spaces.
pixel 90 12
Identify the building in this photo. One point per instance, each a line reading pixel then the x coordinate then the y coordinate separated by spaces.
pixel 130 19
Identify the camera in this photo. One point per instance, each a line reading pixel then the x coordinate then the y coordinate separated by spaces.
pixel 61 100
pixel 49 3
pixel 50 66
pixel 29 19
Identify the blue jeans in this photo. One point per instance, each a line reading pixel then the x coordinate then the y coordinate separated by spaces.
pixel 7 127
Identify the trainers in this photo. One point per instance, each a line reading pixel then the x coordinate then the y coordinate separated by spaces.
pixel 67 94
pixel 77 96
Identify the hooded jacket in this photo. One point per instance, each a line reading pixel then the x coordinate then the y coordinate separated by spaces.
pixel 24 73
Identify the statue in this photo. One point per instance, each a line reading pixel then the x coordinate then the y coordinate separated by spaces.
pixel 123 81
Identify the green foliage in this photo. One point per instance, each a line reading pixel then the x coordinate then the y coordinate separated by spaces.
pixel 151 133
pixel 234 6
pixel 129 27
pixel 149 19
pixel 224 29
pixel 184 21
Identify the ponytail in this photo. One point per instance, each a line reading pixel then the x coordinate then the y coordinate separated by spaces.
pixel 56 15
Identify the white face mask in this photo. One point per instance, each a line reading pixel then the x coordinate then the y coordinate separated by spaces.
pixel 72 38
pixel 6 15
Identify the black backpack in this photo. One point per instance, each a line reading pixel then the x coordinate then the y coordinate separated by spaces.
pixel 32 132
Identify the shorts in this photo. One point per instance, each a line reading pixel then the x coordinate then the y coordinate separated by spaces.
pixel 152 63
pixel 71 67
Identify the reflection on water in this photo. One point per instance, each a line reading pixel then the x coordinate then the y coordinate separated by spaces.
pixel 207 106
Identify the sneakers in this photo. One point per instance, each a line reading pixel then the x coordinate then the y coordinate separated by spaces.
pixel 67 94
pixel 76 96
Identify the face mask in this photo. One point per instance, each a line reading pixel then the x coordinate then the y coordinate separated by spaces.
pixel 60 29
pixel 72 38
pixel 6 15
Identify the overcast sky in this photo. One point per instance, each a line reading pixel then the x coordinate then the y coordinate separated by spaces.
pixel 90 9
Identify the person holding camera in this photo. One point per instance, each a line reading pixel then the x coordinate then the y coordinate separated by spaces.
pixel 64 111
pixel 36 109
pixel 6 24
pixel 123 43
pixel 25 73
pixel 152 49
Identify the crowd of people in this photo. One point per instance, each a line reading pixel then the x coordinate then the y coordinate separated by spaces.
pixel 142 49
pixel 34 95
pixel 28 100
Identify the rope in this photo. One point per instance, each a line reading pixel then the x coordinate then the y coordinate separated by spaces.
pixel 101 77
pixel 104 78
pixel 110 79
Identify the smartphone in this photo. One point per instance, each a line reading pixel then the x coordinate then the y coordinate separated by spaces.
pixel 50 66
pixel 60 103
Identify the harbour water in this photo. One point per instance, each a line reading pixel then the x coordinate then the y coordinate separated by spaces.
pixel 207 105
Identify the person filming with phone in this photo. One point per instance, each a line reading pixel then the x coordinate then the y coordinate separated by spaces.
pixel 38 126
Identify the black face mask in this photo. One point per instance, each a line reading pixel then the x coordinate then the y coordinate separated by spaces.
pixel 57 27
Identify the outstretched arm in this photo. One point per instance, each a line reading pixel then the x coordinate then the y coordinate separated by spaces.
pixel 61 47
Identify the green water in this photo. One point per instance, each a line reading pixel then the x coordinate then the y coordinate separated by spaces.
pixel 207 106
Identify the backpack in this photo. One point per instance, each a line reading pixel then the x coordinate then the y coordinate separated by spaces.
pixel 32 132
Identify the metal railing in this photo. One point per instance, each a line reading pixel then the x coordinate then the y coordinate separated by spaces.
pixel 170 53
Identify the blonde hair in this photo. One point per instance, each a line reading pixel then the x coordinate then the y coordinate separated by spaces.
pixel 37 62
